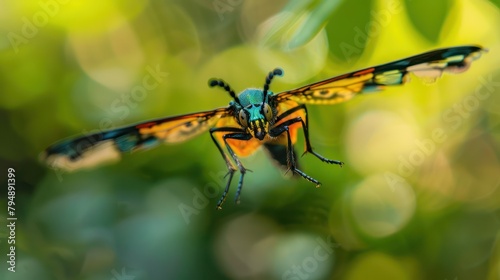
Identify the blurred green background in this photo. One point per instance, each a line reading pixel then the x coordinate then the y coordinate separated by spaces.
pixel 404 206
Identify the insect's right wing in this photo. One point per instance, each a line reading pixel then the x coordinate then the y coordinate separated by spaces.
pixel 91 150
pixel 429 66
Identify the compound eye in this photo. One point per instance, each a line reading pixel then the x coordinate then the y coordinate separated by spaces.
pixel 243 118
pixel 267 111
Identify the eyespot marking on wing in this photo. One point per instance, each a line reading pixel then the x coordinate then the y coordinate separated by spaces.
pixel 337 91
pixel 180 130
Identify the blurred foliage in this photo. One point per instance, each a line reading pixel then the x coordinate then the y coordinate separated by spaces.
pixel 431 25
pixel 407 205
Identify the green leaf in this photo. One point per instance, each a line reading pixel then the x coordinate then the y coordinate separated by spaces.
pixel 346 29
pixel 298 23
pixel 317 19
pixel 428 17
pixel 496 2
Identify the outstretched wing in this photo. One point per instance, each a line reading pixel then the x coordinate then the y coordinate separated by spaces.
pixel 90 150
pixel 429 66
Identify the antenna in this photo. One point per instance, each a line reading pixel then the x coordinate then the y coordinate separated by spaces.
pixel 220 83
pixel 269 78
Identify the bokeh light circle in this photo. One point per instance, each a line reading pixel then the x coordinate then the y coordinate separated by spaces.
pixel 382 204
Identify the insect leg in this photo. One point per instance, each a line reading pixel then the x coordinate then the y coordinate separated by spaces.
pixel 231 169
pixel 229 164
pixel 244 136
pixel 305 126
pixel 284 127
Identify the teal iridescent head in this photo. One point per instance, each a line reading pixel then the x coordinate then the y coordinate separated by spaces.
pixel 251 106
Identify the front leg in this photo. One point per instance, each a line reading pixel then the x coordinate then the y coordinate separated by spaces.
pixel 305 126
pixel 230 167
pixel 292 165
pixel 244 136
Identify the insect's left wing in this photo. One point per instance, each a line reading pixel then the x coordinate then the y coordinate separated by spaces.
pixel 90 150
pixel 429 66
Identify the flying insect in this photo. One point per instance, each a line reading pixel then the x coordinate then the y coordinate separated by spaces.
pixel 257 117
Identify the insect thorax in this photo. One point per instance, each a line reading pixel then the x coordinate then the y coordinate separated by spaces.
pixel 252 96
